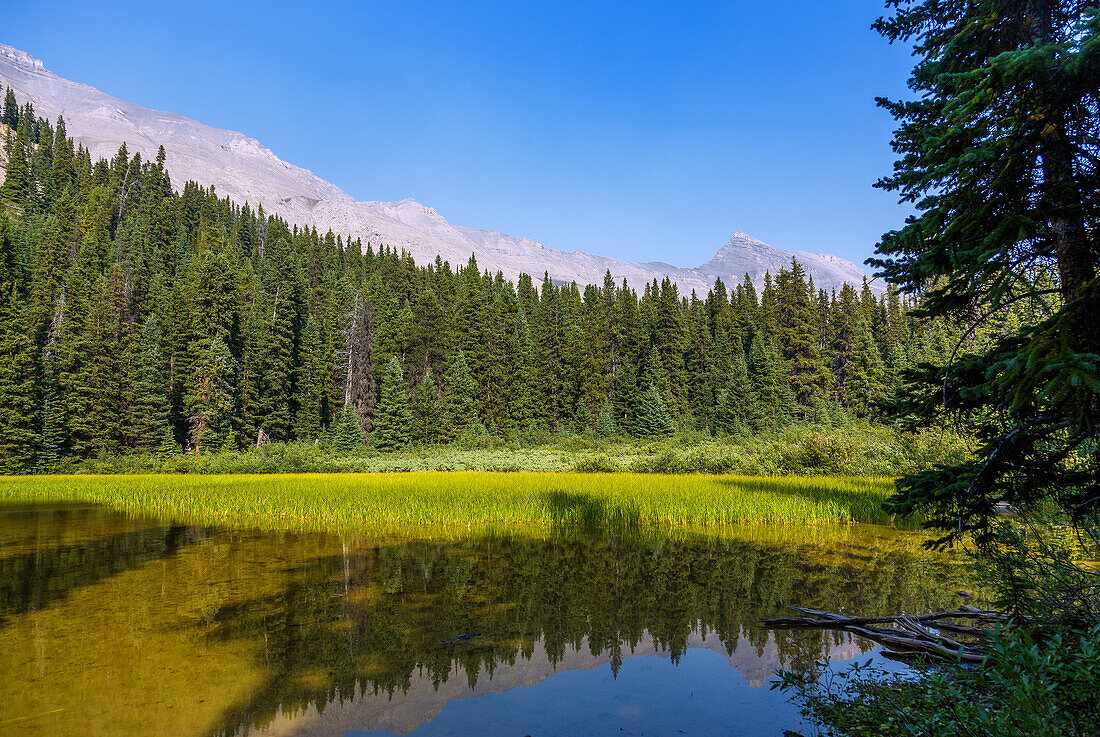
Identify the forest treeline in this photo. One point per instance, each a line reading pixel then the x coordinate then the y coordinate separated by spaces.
pixel 135 317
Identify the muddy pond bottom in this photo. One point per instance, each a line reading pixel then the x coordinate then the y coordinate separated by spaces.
pixel 111 625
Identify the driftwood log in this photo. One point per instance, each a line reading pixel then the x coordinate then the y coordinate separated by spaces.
pixel 924 637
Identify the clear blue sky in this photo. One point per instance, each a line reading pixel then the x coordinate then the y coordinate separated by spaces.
pixel 641 130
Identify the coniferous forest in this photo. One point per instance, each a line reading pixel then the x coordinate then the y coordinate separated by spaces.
pixel 135 317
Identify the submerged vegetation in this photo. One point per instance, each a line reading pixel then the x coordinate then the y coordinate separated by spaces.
pixel 439 501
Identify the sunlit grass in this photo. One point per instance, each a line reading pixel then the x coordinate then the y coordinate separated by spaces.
pixel 476 499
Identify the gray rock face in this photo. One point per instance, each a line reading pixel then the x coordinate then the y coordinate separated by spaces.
pixel 246 171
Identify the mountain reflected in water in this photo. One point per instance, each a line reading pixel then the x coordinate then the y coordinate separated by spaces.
pixel 110 625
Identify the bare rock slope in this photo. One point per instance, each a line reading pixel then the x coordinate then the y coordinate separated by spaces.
pixel 246 171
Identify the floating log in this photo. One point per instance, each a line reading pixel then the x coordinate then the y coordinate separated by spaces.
pixel 912 637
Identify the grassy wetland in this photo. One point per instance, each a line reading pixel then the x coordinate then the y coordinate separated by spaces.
pixel 482 500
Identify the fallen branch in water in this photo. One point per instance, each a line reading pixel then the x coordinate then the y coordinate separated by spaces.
pixel 912 638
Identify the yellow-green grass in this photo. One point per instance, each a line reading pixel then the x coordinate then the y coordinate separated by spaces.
pixel 443 500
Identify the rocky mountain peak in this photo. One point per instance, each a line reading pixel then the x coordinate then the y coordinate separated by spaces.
pixel 245 170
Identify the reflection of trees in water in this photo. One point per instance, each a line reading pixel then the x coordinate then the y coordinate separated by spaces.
pixel 373 618
pixel 36 579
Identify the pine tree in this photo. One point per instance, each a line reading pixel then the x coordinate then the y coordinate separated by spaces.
pixel 866 372
pixel 312 383
pixel 428 418
pixel 737 407
pixel 18 438
pixel 605 422
pixel 998 154
pixel 651 418
pixel 149 406
pixel 10 116
pixel 797 333
pixel 774 395
pixel 460 397
pixel 16 184
pixel 393 424
pixel 209 399
pixel 347 435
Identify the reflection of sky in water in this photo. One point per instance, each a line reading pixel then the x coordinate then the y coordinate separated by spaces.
pixel 702 695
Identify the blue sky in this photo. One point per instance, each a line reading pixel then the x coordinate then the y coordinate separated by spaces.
pixel 643 130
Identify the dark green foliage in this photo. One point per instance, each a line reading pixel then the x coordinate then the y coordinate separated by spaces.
pixel 149 426
pixel 605 422
pixel 393 425
pixel 16 186
pixel 209 398
pixel 1047 688
pixel 428 419
pixel 460 397
pixel 347 436
pixel 999 155
pixel 650 417
pixel 18 437
pixel 775 398
pixel 268 331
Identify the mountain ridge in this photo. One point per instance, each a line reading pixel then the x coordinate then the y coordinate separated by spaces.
pixel 245 170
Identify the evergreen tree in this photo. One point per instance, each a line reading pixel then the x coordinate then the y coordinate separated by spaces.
pixel 312 384
pixel 10 116
pixel 651 418
pixel 149 424
pixel 737 408
pixel 18 438
pixel 797 333
pixel 605 422
pixel 460 397
pixel 428 418
pixel 347 435
pixel 393 425
pixel 998 154
pixel 209 399
pixel 16 186
pixel 775 399
pixel 866 371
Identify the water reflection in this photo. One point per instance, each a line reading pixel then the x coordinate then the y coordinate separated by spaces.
pixel 116 626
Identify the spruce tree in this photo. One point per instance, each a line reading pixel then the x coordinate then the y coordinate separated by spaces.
pixel 651 418
pixel 460 397
pixel 866 371
pixel 347 435
pixel 737 407
pixel 16 184
pixel 149 403
pixel 428 418
pixel 209 399
pixel 10 115
pixel 312 382
pixel 605 421
pixel 18 436
pixel 774 395
pixel 998 154
pixel 393 423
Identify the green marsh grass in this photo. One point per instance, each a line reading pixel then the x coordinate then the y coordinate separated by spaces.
pixel 483 500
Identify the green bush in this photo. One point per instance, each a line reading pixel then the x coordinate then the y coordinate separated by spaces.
pixel 1045 688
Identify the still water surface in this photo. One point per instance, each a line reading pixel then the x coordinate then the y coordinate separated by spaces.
pixel 117 626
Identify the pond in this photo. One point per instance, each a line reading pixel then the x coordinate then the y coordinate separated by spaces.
pixel 111 625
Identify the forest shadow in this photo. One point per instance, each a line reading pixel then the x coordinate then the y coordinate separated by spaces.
pixel 589 514
pixel 41 578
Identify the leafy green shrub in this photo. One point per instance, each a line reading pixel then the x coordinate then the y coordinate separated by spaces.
pixel 1047 688
pixel 596 464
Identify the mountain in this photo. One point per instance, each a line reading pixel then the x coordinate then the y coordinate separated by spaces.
pixel 246 171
